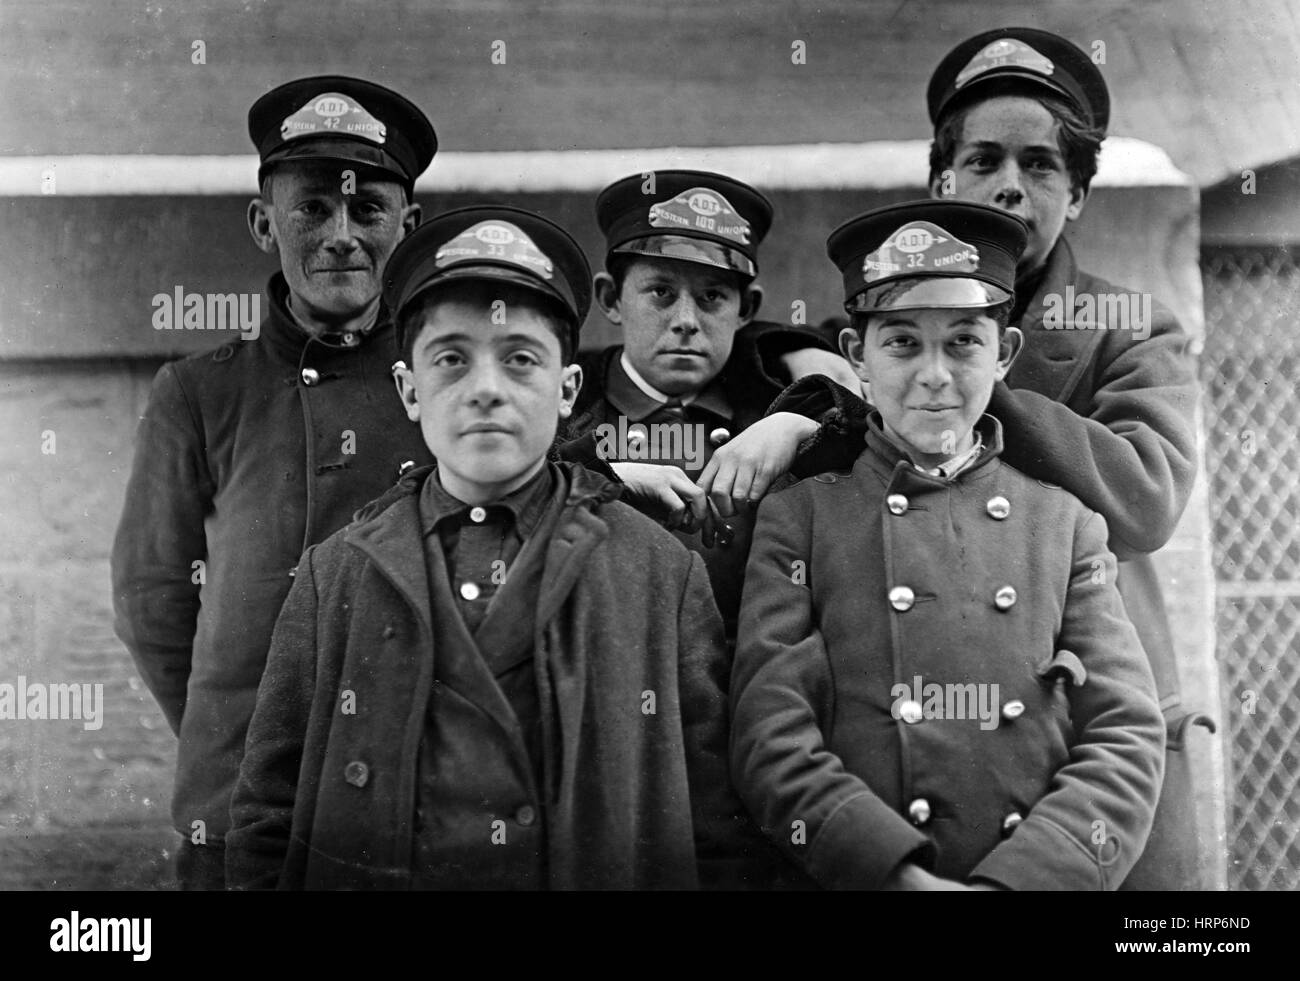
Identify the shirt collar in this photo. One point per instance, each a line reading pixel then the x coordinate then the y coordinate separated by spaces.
pixel 523 506
pixel 635 378
pixel 988 445
pixel 955 465
pixel 636 398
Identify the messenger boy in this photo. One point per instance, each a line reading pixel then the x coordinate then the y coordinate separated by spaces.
pixel 888 606
pixel 498 677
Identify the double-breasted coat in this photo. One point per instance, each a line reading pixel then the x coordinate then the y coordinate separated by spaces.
pixel 1105 410
pixel 940 671
pixel 631 672
pixel 245 456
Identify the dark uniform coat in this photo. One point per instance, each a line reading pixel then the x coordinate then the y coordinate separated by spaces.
pixel 630 797
pixel 244 457
pixel 734 401
pixel 863 580
pixel 1107 413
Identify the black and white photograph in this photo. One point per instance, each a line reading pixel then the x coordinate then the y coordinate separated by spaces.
pixel 640 447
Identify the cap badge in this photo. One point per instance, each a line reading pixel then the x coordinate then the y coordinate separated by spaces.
pixel 1002 53
pixel 331 113
pixel 919 247
pixel 495 241
pixel 702 210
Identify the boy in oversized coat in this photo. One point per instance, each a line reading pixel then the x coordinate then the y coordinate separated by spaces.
pixel 498 676
pixel 936 685
pixel 1099 403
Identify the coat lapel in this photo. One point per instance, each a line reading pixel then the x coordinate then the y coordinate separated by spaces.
pixel 1054 358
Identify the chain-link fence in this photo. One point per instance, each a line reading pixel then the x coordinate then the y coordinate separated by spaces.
pixel 1249 367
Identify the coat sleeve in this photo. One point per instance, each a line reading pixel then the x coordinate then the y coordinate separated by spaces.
pixel 1092 825
pixel 730 852
pixel 828 821
pixel 159 539
pixel 762 342
pixel 261 809
pixel 1130 453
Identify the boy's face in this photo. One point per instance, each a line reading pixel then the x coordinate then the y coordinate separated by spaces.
pixel 1009 157
pixel 931 372
pixel 487 395
pixel 678 318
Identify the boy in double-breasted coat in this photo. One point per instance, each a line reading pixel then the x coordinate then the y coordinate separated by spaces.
pixel 498 676
pixel 936 685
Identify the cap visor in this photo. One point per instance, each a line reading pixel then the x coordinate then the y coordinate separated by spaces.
pixel 917 292
pixel 342 151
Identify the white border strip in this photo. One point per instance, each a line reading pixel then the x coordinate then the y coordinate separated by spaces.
pixel 1125 162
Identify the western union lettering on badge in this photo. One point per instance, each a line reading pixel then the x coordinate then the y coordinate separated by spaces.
pixel 333 113
pixel 921 246
pixel 704 210
pixel 498 240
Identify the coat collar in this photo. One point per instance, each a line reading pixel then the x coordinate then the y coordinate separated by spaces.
pixel 388 531
pixel 887 459
pixel 288 340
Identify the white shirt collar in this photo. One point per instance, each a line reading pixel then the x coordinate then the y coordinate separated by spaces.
pixel 645 386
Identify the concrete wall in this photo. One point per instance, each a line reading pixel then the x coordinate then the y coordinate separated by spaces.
pixel 77 352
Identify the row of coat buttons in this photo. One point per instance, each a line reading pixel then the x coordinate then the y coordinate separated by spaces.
pixel 358 774
pixel 636 433
pixel 903 598
pixel 911 712
pixel 997 507
pixel 919 813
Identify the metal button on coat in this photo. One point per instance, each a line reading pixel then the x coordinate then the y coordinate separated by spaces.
pixel 998 508
pixel 637 433
pixel 1005 598
pixel 901 598
pixel 1014 709
pixel 404 466
pixel 919 811
pixel 310 376
pixel 350 340
pixel 469 590
pixel 477 515
pixel 1010 822
pixel 356 773
pixel 896 503
pixel 526 815
pixel 910 712
pixel 719 436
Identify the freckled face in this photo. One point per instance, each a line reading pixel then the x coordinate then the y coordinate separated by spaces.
pixel 1009 157
pixel 931 372
pixel 488 396
pixel 333 246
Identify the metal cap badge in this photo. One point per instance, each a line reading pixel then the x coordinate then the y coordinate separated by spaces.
pixel 689 215
pixel 1021 58
pixel 491 242
pixel 928 254
pixel 344 120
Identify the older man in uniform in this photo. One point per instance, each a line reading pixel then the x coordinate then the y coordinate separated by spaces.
pixel 248 454
pixel 1101 408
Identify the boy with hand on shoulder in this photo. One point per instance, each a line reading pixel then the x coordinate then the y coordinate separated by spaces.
pixel 498 676
pixel 936 685
pixel 677 410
